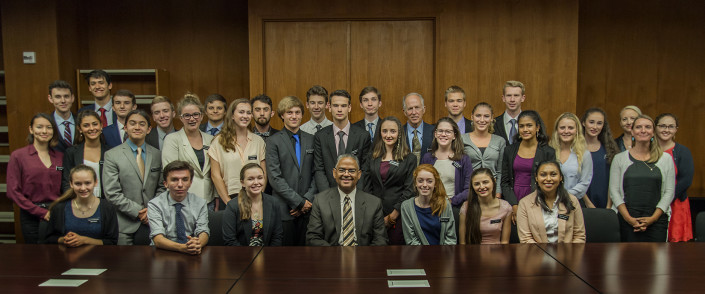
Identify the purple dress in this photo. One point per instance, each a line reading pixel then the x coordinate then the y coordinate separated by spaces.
pixel 522 176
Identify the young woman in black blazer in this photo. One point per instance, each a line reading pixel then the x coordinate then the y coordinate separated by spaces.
pixel 530 143
pixel 390 174
pixel 89 149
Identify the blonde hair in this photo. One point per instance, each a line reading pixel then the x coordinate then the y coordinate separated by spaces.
pixel 578 145
pixel 629 107
pixel 160 99
pixel 514 84
pixel 189 99
pixel 655 151
pixel 289 102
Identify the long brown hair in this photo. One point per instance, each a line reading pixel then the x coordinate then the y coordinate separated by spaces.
pixel 70 193
pixel 79 136
pixel 605 135
pixel 473 235
pixel 228 137
pixel 243 201
pixel 401 149
pixel 456 145
pixel 438 198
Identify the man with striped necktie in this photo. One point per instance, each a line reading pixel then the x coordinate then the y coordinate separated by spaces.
pixel 61 96
pixel 343 215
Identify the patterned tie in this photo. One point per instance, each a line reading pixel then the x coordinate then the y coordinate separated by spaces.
pixel 214 131
pixel 297 147
pixel 512 131
pixel 140 162
pixel 348 224
pixel 67 132
pixel 180 224
pixel 416 146
pixel 370 127
pixel 103 118
pixel 341 143
pixel 318 128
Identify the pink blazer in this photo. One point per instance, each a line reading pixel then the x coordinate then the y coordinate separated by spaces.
pixel 532 229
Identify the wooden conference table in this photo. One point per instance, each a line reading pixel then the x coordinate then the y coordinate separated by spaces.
pixel 514 268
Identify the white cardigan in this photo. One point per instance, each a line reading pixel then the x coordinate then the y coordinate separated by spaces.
pixel 619 166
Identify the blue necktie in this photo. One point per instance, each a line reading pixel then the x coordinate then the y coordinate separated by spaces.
pixel 180 225
pixel 297 147
pixel 370 127
pixel 214 131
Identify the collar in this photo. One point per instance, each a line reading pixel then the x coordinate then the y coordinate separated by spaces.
pixel 171 200
pixel 162 134
pixel 507 118
pixel 134 146
pixel 351 195
pixel 410 129
pixel 374 122
pixel 108 106
pixel 209 126
pixel 345 129
pixel 59 120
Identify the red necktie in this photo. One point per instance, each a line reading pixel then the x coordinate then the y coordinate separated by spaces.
pixel 103 118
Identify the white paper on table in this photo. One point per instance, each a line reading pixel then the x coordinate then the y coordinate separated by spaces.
pixel 84 272
pixel 406 272
pixel 62 283
pixel 408 284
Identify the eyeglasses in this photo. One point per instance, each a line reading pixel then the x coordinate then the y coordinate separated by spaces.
pixel 668 127
pixel 188 116
pixel 444 132
pixel 350 171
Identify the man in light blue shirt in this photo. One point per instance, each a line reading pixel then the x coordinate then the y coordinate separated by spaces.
pixel 61 96
pixel 419 133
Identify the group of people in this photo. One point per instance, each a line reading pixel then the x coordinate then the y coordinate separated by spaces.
pixel 106 176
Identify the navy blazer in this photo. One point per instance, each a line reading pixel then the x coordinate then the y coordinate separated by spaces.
pixel 92 107
pixel 685 170
pixel 463 171
pixel 237 232
pixel 427 137
pixel 62 146
pixel 543 153
pixel 56 227
pixel 112 136
pixel 73 157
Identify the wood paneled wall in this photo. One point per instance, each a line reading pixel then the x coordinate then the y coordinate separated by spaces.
pixel 650 54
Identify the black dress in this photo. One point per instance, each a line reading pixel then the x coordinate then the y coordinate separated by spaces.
pixel 642 192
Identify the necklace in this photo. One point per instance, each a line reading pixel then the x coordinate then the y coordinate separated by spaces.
pixel 83 212
pixel 647 165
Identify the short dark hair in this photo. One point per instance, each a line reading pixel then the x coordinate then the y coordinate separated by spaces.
pixel 177 165
pixel 96 74
pixel 139 112
pixel 60 84
pixel 262 98
pixel 317 90
pixel 370 89
pixel 126 93
pixel 215 97
pixel 342 93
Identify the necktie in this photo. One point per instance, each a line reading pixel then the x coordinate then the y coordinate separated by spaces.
pixel 103 118
pixel 318 128
pixel 180 224
pixel 416 146
pixel 297 147
pixel 348 224
pixel 341 143
pixel 140 162
pixel 67 132
pixel 214 131
pixel 370 127
pixel 512 131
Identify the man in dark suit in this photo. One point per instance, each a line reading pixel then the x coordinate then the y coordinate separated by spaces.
pixel 455 103
pixel 344 215
pixel 123 102
pixel 419 133
pixel 132 176
pixel 341 137
pixel 370 102
pixel 61 96
pixel 505 125
pixel 163 114
pixel 99 85
pixel 215 110
pixel 290 171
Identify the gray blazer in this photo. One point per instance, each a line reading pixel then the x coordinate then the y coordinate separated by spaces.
pixel 492 158
pixel 413 234
pixel 325 223
pixel 293 185
pixel 177 147
pixel 124 187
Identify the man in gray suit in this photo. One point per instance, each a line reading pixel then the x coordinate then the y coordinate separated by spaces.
pixel 290 171
pixel 344 215
pixel 131 177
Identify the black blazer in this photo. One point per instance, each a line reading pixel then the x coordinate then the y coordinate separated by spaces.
pixel 399 184
pixel 686 169
pixel 152 137
pixel 325 155
pixel 427 137
pixel 73 157
pixel 620 143
pixel 237 232
pixel 56 226
pixel 499 128
pixel 203 127
pixel 468 126
pixel 362 124
pixel 62 146
pixel 543 153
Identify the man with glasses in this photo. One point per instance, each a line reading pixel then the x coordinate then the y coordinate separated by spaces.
pixel 418 133
pixel 344 215
pixel 123 102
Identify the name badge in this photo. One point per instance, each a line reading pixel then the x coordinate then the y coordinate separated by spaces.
pixel 93 220
pixel 354 152
pixel 59 168
pixel 394 162
pixel 206 147
pixel 155 169
pixel 456 164
pixel 100 162
pixel 445 219
pixel 563 216
pixel 496 221
pixel 309 151
pixel 252 157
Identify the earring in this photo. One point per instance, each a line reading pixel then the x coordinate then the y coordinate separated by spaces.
pixel 652 139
